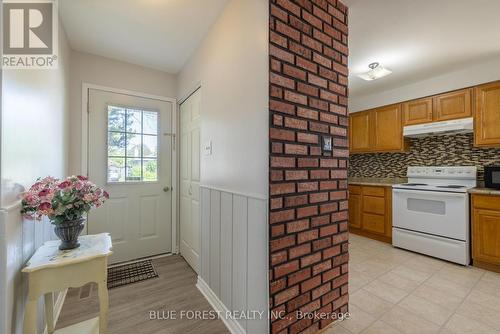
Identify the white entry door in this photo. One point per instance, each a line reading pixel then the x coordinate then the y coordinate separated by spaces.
pixel 130 155
pixel 190 180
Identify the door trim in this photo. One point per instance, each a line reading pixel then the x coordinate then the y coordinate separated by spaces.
pixel 85 147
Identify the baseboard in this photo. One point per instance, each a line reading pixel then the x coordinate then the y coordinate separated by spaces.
pixel 232 325
pixel 58 307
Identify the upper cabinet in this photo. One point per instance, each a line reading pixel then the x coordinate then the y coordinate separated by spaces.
pixel 377 130
pixel 417 111
pixel 453 105
pixel 387 129
pixel 487 115
pixel 441 107
pixel 360 132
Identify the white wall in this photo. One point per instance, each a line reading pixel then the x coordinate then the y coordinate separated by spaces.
pixel 111 73
pixel 33 144
pixel 476 73
pixel 232 66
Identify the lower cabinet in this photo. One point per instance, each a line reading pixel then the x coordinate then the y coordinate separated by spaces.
pixel 370 212
pixel 486 231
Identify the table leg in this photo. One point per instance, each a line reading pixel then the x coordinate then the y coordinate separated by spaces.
pixel 102 290
pixel 49 312
pixel 30 316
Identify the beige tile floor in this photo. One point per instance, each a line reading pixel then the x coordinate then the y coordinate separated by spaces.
pixel 394 291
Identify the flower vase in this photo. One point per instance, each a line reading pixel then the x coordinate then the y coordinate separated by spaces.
pixel 68 232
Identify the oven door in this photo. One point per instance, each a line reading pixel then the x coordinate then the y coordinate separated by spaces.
pixel 443 214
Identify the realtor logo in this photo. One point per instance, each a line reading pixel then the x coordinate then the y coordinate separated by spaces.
pixel 30 34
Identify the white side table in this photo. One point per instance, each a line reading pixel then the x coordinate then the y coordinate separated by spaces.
pixel 50 270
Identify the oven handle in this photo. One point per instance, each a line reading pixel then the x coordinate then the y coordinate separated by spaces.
pixel 422 192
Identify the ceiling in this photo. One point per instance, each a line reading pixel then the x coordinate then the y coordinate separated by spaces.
pixel 418 39
pixel 160 34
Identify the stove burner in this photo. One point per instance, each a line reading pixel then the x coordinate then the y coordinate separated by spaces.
pixel 452 186
pixel 414 184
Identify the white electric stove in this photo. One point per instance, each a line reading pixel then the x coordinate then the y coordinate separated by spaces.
pixel 431 212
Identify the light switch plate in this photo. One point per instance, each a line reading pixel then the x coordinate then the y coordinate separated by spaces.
pixel 207 148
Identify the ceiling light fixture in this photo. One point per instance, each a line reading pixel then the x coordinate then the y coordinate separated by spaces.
pixel 376 71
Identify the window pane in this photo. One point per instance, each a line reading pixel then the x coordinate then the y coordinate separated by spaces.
pixel 116 118
pixel 150 119
pixel 150 170
pixel 150 146
pixel 134 121
pixel 116 169
pixel 133 170
pixel 133 145
pixel 116 144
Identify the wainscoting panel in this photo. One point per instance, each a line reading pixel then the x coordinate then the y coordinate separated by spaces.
pixel 18 241
pixel 234 256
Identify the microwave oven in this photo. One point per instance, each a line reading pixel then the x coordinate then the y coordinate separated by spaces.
pixel 492 176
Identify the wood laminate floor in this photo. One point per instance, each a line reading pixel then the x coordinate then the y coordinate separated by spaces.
pixel 130 305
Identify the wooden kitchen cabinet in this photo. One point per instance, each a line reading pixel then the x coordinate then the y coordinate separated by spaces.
pixel 418 111
pixel 486 231
pixel 370 212
pixel 388 129
pixel 453 105
pixel 487 115
pixel 355 206
pixel 360 132
pixel 377 130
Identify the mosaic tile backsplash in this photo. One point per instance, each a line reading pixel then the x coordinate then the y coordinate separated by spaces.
pixel 456 150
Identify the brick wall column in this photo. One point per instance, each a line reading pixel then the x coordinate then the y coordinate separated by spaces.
pixel 308 186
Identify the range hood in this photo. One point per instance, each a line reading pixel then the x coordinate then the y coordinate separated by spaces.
pixel 457 126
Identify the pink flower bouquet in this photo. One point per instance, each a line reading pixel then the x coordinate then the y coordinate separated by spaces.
pixel 62 200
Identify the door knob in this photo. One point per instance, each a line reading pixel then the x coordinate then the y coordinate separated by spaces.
pixel 166 189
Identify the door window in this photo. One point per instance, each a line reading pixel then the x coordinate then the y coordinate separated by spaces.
pixel 132 154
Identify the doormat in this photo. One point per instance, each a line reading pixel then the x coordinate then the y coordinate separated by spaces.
pixel 131 273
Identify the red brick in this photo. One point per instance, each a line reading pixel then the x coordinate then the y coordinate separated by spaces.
pixel 307 113
pixel 295 123
pixel 321 220
pixel 318 197
pixel 278 285
pixel 312 19
pixel 328 230
pixel 323 61
pixel 287 268
pixel 282 107
pixel 278 258
pixel 299 24
pixel 328 185
pixel 329 96
pixel 282 243
pixel 296 175
pixel 276 92
pixel 282 188
pixel 331 252
pixel 300 325
pixel 318 104
pixel 310 284
pixel 307 65
pixel 289 6
pixel 307 138
pixel 336 34
pixel 300 50
pixel 295 97
pixel 315 80
pixel 307 89
pixel 297 226
pixel 329 118
pixel 322 37
pixel 310 259
pixel 278 39
pixel 328 163
pixel 338 216
pixel 307 186
pixel 321 267
pixel 338 195
pixel 294 72
pixel 318 12
pixel 307 211
pixel 336 239
pixel 320 174
pixel 282 81
pixel 319 127
pixel 279 13
pixel 287 30
pixel 286 295
pixel 321 244
pixel 276 175
pixel 307 162
pixel 338 174
pixel 275 65
pixel 320 291
pixel 295 149
pixel 297 302
pixel 281 54
pixel 281 216
pixel 299 276
pixel 277 148
pixel 281 134
pixel 282 162
pixel 307 236
pixel 300 250
pixel 293 201
pixel 330 207
pixel 276 203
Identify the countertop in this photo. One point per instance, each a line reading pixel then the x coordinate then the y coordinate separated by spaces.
pixel 376 181
pixel 484 191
